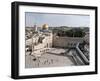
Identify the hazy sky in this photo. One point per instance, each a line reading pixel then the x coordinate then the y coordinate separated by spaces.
pixel 56 19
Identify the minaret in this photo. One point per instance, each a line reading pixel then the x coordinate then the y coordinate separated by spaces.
pixel 35 27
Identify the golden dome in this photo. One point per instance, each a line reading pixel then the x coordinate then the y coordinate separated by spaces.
pixel 45 27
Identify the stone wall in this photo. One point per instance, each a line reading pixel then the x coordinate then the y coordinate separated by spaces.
pixel 66 41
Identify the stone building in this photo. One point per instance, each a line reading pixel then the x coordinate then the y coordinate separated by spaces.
pixel 41 41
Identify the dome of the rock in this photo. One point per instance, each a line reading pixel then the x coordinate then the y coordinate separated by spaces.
pixel 45 27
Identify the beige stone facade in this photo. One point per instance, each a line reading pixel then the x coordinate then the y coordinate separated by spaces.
pixel 64 42
pixel 41 43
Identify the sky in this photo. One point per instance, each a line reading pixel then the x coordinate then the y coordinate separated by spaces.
pixel 56 20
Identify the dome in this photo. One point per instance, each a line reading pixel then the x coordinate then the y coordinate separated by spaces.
pixel 45 27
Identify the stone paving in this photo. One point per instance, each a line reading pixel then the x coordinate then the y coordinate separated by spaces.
pixel 53 59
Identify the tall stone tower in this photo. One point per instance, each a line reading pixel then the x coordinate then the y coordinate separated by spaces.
pixel 35 27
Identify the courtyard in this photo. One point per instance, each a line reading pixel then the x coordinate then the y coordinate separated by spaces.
pixel 55 57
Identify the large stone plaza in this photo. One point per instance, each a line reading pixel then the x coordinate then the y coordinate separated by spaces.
pixel 48 60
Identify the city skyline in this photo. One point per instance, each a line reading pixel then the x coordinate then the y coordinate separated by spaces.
pixel 56 20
